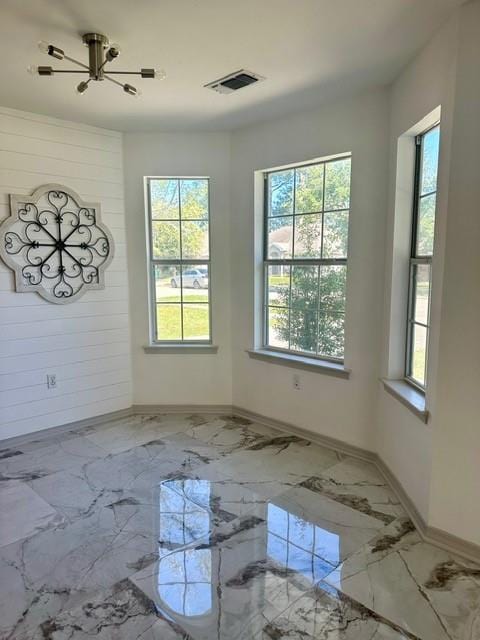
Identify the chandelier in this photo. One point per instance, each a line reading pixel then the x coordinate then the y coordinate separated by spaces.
pixel 100 53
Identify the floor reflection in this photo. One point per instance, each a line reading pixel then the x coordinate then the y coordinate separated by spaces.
pixel 185 582
pixel 200 572
pixel 295 543
pixel 184 577
pixel 182 521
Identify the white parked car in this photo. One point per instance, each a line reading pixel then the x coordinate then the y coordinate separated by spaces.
pixel 192 278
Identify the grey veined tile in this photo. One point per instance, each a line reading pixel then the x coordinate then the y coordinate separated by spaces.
pixel 276 463
pixel 228 433
pixel 23 513
pixel 120 613
pixel 325 614
pixel 58 568
pixel 427 591
pixel 133 475
pixel 360 486
pixel 69 454
pixel 136 430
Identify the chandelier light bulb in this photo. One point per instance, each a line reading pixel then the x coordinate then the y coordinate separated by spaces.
pixel 43 46
pixel 160 74
pixel 32 69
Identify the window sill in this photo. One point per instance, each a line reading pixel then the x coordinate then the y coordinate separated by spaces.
pixel 180 348
pixel 412 398
pixel 300 362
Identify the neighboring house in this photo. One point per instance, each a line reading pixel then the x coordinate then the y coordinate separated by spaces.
pixel 279 247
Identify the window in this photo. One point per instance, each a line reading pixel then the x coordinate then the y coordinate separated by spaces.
pixel 305 258
pixel 179 253
pixel 423 226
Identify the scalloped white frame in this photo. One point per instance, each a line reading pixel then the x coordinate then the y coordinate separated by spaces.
pixel 21 286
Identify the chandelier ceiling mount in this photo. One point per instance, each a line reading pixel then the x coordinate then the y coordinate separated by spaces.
pixel 100 54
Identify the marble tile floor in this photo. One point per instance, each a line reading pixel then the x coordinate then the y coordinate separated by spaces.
pixel 201 527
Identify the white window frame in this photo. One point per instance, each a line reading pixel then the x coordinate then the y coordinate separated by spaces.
pixel 416 260
pixel 180 263
pixel 266 261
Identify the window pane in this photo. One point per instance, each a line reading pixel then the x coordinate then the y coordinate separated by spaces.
pixel 308 236
pixel 331 335
pixel 279 285
pixel 337 184
pixel 304 287
pixel 194 239
pixel 195 283
pixel 167 284
pixel 421 292
pixel 196 322
pixel 419 351
pixel 164 199
pixel 332 288
pixel 303 329
pixel 426 225
pixel 280 232
pixel 335 234
pixel 166 240
pixel 278 327
pixel 169 322
pixel 309 189
pixel 280 198
pixel 429 169
pixel 194 199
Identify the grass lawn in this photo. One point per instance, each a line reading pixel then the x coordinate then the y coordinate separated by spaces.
pixel 418 372
pixel 195 322
pixel 278 281
pixel 187 297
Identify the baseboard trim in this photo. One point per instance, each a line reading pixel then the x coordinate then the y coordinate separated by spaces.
pixel 324 441
pixel 432 535
pixel 41 434
pixel 452 543
pixel 151 409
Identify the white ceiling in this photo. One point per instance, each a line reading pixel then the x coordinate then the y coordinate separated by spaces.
pixel 309 51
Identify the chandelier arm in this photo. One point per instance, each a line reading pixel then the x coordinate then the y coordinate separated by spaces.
pixel 80 64
pixel 114 81
pixel 68 71
pixel 124 73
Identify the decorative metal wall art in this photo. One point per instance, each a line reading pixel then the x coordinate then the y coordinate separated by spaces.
pixel 55 243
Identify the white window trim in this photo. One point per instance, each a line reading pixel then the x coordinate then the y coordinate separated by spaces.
pixel 261 351
pixel 417 400
pixel 174 346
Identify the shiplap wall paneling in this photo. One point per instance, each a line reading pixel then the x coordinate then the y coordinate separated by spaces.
pixel 85 343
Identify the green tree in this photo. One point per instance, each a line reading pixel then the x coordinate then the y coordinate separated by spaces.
pixel 166 239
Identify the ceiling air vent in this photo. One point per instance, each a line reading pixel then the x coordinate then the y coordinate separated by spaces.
pixel 234 81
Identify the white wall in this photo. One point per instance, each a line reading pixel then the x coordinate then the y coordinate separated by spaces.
pixel 85 343
pixel 455 483
pixel 180 378
pixel 332 406
pixel 405 442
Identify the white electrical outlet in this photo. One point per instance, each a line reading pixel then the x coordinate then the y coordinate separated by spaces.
pixel 297 382
pixel 51 380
